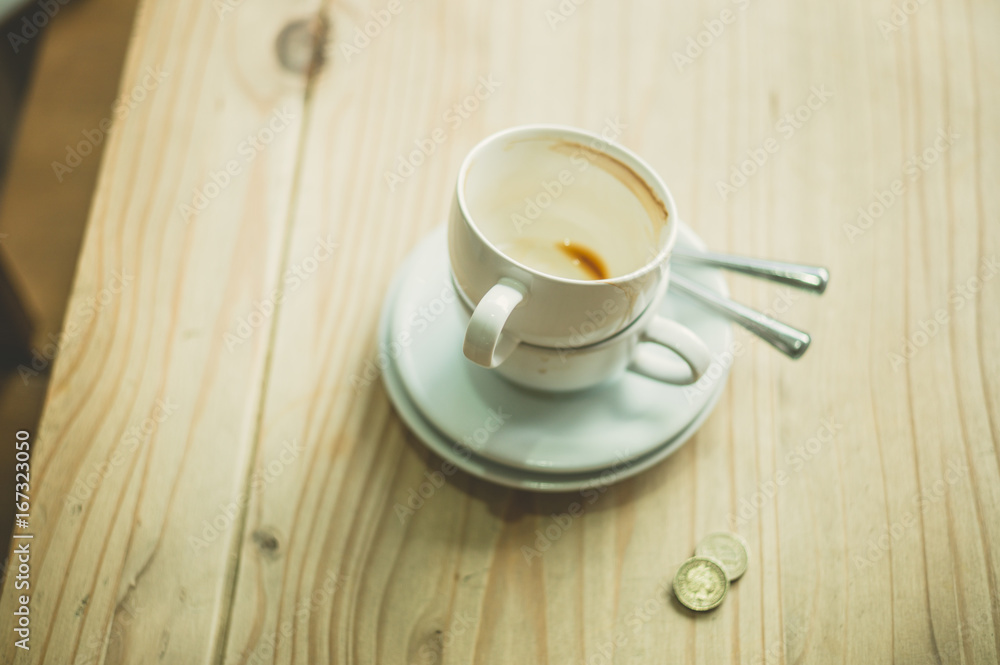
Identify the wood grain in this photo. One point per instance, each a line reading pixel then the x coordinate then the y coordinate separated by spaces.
pixel 867 485
pixel 119 485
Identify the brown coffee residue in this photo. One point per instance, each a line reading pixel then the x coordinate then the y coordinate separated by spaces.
pixel 585 258
pixel 623 173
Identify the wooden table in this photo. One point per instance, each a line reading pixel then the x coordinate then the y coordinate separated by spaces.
pixel 209 485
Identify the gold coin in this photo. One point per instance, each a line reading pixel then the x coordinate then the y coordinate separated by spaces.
pixel 701 583
pixel 729 549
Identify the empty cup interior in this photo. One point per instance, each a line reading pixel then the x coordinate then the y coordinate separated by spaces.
pixel 564 207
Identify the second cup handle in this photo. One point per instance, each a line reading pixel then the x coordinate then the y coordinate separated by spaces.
pixel 485 343
pixel 679 339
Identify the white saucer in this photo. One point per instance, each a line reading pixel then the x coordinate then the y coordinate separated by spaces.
pixel 446 399
pixel 521 478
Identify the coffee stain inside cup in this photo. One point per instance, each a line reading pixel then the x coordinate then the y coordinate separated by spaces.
pixel 636 184
pixel 585 259
pixel 623 173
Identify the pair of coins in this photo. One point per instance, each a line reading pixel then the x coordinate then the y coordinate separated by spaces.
pixel 702 581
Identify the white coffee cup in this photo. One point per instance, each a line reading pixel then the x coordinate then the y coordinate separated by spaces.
pixel 559 243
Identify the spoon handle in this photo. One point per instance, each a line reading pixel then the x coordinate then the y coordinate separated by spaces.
pixel 812 278
pixel 790 341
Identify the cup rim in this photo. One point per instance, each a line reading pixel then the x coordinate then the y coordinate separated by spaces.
pixel 612 149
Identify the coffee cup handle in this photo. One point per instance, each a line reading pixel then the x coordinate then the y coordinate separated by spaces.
pixel 485 344
pixel 679 339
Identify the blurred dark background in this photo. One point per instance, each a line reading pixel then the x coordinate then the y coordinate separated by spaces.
pixel 60 62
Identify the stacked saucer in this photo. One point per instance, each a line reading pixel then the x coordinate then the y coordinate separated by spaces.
pixel 549 442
